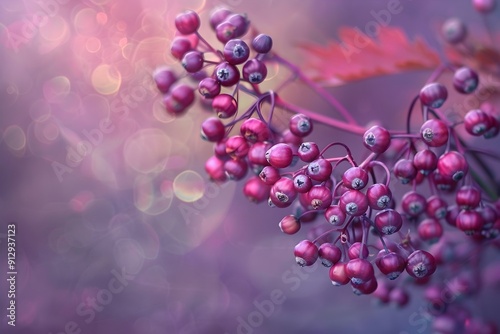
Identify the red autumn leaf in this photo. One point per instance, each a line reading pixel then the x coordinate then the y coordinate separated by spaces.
pixel 357 56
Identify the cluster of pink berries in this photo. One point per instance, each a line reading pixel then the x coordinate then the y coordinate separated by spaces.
pixel 356 212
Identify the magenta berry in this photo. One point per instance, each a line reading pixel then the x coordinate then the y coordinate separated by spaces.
pixel 215 169
pixel 300 125
pixel 218 16
pixel 290 225
pixel 306 253
pixel 399 296
pixel 358 250
pixel 187 22
pixel 280 155
pixel 320 197
pixel 425 161
pixel 404 170
pixel 319 170
pixel 164 78
pixel 308 151
pixel 465 80
pixel 443 183
pixel 390 264
pixel 255 130
pixel 227 74
pixel 468 197
pixel 257 153
pixel 469 221
pixel 302 183
pixel 180 98
pixel 236 51
pixel 379 196
pixel 192 61
pixel 452 165
pixel 420 264
pixel 262 43
pixel 365 288
pixel 359 270
pixel 256 190
pixel 484 6
pixel 377 139
pixel 212 129
pixel 430 229
pixel 353 203
pixel 436 207
pixel 434 133
pixel 477 122
pixel 283 193
pixel 209 88
pixel 334 215
pixel 338 274
pixel 269 175
pixel 413 203
pixel 240 22
pixel 433 95
pixel 237 147
pixel 225 31
pixel 224 105
pixel 388 221
pixel 355 178
pixel 236 169
pixel 254 71
pixel 454 31
pixel 180 46
pixel 329 254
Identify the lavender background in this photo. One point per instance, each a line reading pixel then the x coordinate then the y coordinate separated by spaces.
pixel 134 196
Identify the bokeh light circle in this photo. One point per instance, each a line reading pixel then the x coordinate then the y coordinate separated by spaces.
pixel 106 79
pixel 189 186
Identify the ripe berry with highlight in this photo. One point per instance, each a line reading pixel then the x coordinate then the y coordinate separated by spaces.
pixel 227 74
pixel 465 80
pixel 379 196
pixel 212 129
pixel 353 202
pixel 433 95
pixel 187 22
pixel 283 193
pixel 388 221
pixel 308 151
pixel 224 105
pixel 254 71
pixel 453 165
pixel 329 254
pixel 280 155
pixel 262 43
pixel 319 170
pixel 377 139
pixel 236 51
pixel 420 264
pixel 300 125
pixel 434 133
pixel 306 253
pixel 290 225
pixel 355 178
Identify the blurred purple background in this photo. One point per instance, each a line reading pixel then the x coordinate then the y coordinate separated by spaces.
pixel 119 230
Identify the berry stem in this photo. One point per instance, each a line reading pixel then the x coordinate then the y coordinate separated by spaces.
pixel 318 89
pixel 387 172
pixel 210 47
pixel 355 129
